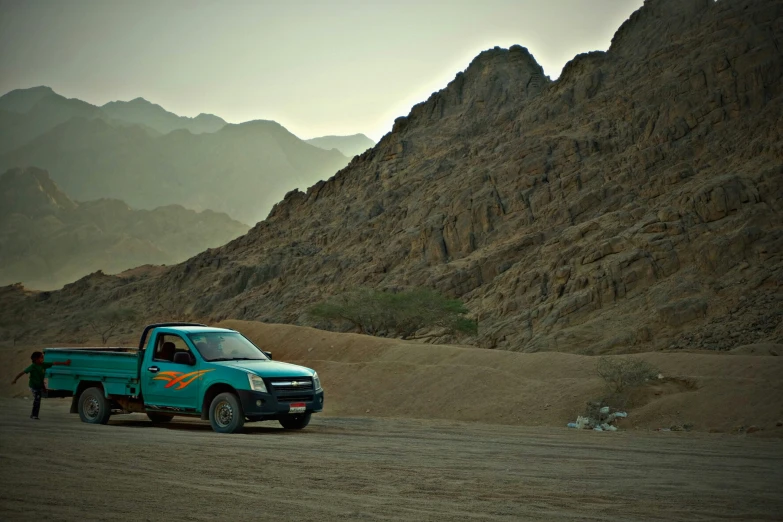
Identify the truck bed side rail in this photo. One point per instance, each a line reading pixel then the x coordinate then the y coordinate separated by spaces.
pixel 95 349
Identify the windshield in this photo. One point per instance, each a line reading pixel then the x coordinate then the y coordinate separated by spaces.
pixel 226 346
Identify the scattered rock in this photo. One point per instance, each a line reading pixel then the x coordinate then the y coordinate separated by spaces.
pixel 598 417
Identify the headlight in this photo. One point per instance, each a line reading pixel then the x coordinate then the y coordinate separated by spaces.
pixel 256 383
pixel 316 381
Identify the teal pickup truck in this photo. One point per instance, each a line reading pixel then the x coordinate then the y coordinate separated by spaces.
pixel 186 369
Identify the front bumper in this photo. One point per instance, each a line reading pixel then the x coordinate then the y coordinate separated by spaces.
pixel 265 406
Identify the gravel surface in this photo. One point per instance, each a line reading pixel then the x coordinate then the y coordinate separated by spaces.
pixel 374 469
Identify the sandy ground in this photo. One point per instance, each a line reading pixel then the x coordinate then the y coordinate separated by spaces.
pixel 375 469
pixel 418 432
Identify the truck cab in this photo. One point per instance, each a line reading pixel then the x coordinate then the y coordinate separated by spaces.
pixel 187 369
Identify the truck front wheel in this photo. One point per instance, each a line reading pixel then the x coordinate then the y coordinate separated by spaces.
pixel 94 408
pixel 295 422
pixel 225 413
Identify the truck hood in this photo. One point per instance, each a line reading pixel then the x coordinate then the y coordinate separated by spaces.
pixel 268 368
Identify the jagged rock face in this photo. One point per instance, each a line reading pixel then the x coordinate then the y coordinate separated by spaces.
pixel 634 203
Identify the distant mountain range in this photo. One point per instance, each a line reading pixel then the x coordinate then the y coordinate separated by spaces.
pixel 348 145
pixel 140 153
pixel 47 239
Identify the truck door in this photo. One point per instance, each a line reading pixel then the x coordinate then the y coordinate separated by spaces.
pixel 171 381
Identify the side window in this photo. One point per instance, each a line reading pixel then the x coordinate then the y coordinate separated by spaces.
pixel 167 345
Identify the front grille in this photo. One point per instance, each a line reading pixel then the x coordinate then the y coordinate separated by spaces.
pixel 291 384
pixel 295 398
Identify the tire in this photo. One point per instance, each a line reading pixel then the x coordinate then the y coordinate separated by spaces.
pixel 295 422
pixel 94 408
pixel 226 414
pixel 159 418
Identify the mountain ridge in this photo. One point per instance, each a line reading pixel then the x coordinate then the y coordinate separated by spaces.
pixel 141 111
pixel 22 100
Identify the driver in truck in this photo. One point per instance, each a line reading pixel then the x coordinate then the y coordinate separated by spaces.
pixel 209 348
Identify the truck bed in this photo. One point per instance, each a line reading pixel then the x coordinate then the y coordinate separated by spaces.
pixel 116 369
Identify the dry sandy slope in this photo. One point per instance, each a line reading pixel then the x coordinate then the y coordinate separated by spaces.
pixel 376 377
pixel 385 377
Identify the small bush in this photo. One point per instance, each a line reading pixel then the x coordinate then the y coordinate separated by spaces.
pixel 401 314
pixel 620 375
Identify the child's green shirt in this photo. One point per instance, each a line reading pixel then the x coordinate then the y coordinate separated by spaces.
pixel 37 372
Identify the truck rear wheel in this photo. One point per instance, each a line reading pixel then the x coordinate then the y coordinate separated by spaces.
pixel 94 408
pixel 295 422
pixel 159 418
pixel 225 413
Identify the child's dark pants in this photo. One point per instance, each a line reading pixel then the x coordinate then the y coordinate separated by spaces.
pixel 37 392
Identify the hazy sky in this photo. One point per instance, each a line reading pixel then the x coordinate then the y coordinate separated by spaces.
pixel 316 67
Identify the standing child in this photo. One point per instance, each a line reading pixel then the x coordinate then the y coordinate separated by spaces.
pixel 37 370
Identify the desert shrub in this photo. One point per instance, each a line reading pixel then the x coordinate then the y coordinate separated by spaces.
pixel 399 314
pixel 620 375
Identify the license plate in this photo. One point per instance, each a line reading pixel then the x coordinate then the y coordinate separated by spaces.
pixel 297 407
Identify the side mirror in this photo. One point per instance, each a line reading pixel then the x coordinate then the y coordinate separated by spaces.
pixel 268 354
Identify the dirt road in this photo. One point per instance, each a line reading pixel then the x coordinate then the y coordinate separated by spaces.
pixel 374 469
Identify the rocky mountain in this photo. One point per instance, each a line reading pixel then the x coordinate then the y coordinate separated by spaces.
pixel 241 170
pixel 47 239
pixel 635 203
pixel 350 146
pixel 141 112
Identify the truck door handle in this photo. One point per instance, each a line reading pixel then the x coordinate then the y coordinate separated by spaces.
pixel 153 369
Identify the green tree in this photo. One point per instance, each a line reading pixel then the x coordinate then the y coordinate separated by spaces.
pixel 399 314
